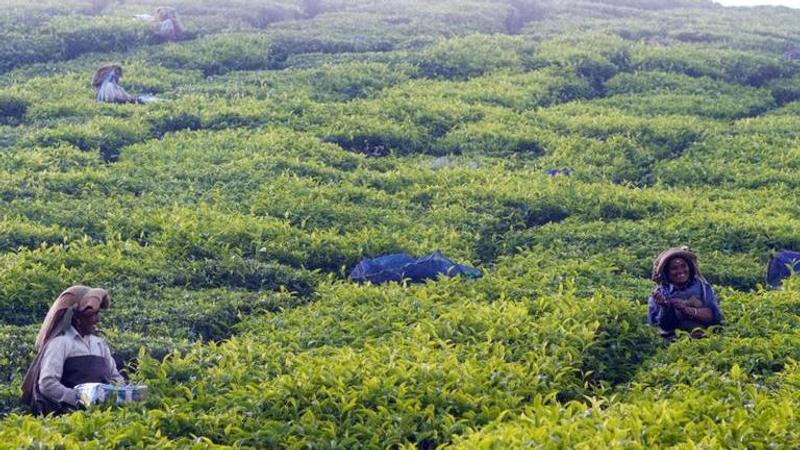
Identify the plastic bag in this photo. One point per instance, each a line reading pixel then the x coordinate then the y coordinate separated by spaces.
pixel 93 393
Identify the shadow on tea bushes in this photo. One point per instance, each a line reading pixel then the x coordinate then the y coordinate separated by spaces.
pixel 106 135
pixel 12 109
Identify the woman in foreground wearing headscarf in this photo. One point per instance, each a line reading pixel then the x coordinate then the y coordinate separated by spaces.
pixel 69 352
pixel 683 299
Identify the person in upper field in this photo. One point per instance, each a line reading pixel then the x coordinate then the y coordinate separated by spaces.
pixel 683 299
pixel 106 84
pixel 170 28
pixel 69 352
pixel 168 25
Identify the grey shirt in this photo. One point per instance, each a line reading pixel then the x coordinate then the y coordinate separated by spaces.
pixel 67 345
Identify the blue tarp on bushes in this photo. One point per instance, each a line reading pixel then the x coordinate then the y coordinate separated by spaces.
pixel 400 266
pixel 565 172
pixel 382 269
pixel 781 266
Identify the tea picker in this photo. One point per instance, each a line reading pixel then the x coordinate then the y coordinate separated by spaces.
pixel 70 355
pixel 106 84
pixel 169 28
pixel 682 299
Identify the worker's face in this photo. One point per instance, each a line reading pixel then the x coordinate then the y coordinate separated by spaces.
pixel 86 321
pixel 678 271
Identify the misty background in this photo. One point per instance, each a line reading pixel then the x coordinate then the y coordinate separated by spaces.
pixel 788 3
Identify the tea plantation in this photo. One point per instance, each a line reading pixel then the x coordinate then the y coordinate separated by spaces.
pixel 293 138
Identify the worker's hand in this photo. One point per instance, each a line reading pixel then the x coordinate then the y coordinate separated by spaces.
pixel 77 402
pixel 679 305
pixel 659 298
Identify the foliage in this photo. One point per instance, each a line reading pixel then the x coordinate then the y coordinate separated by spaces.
pixel 217 54
pixel 730 65
pixel 12 109
pixel 470 56
pixel 106 135
pixel 293 138
pixel 68 36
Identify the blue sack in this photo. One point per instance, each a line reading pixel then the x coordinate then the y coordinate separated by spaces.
pixel 382 269
pixel 400 266
pixel 565 172
pixel 434 264
pixel 781 265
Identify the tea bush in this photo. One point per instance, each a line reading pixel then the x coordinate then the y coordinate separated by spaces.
pixel 346 82
pixel 729 65
pixel 659 389
pixel 107 136
pixel 12 109
pixel 470 56
pixel 519 91
pixel 495 135
pixel 659 93
pixel 62 37
pixel 17 234
pixel 217 54
pixel 294 138
pixel 596 57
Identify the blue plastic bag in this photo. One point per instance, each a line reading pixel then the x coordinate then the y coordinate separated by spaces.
pixel 400 266
pixel 781 266
pixel 434 264
pixel 565 172
pixel 382 269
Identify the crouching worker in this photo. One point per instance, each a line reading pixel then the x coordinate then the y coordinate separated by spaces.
pixel 683 299
pixel 167 23
pixel 106 84
pixel 69 352
pixel 171 28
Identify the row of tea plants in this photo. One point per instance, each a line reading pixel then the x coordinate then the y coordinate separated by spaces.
pixel 294 138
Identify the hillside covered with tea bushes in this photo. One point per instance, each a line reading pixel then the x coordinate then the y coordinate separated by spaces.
pixel 293 138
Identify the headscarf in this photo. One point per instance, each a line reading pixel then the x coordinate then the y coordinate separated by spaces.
pixel 115 70
pixel 75 299
pixel 661 261
pixel 166 12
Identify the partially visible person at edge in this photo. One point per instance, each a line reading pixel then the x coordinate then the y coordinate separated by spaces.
pixel 683 299
pixel 69 352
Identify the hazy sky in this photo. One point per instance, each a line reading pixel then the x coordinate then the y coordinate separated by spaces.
pixel 789 3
